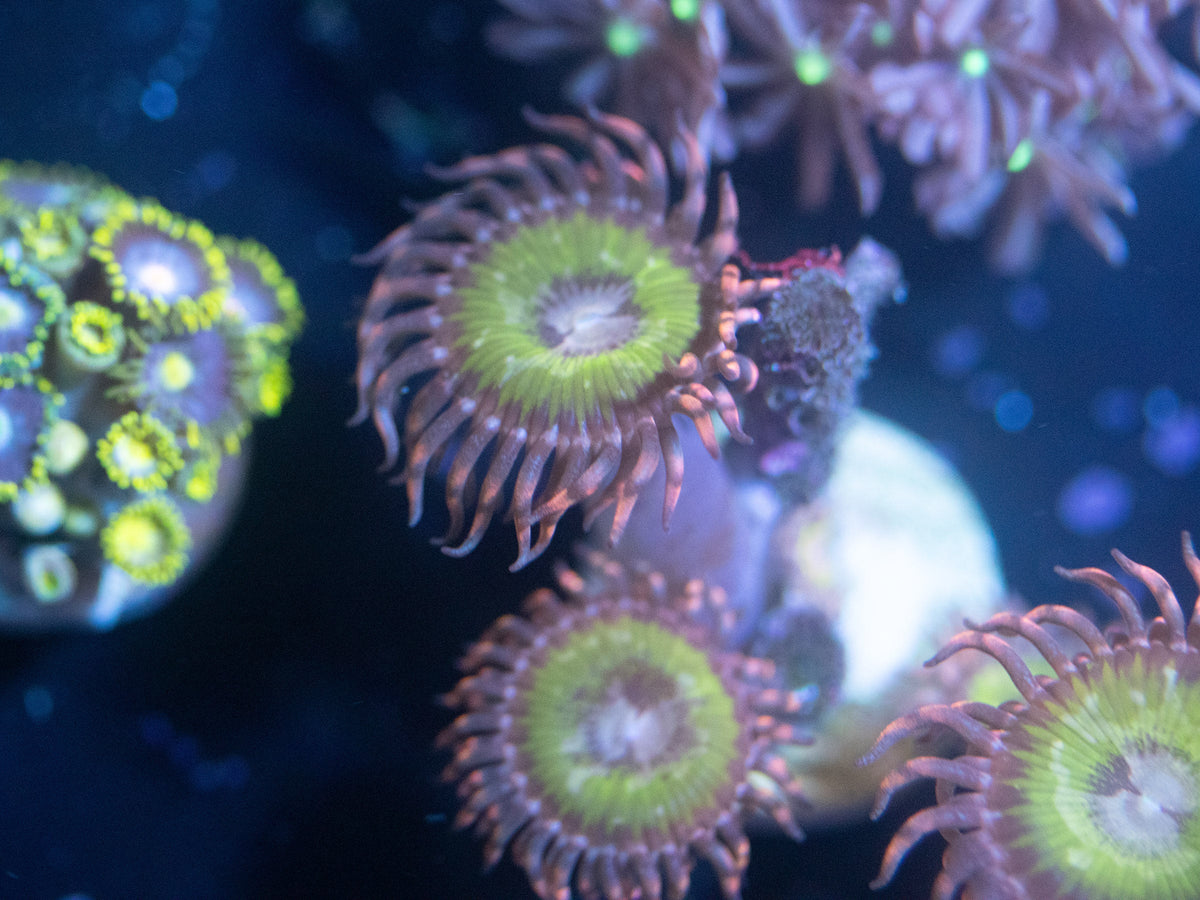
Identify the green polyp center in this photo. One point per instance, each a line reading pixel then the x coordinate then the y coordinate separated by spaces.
pixel 142 539
pixel 624 37
pixel 974 62
pixel 685 10
pixel 132 455
pixel 1111 787
pixel 1021 156
pixel 627 726
pixel 575 316
pixel 175 371
pixel 65 446
pixel 812 67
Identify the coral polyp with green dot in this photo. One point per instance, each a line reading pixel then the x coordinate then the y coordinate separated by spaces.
pixel 136 351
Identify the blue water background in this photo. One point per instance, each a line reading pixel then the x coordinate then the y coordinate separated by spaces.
pixel 269 733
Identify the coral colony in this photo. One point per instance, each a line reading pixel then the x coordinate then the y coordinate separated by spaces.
pixel 1014 112
pixel 573 324
pixel 136 351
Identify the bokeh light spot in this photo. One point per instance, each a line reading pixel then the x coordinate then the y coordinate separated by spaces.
pixel 1013 411
pixel 1160 404
pixel 216 170
pixel 1096 501
pixel 974 62
pixel 984 389
pixel 159 101
pixel 685 10
pixel 958 352
pixel 1173 444
pixel 624 37
pixel 39 703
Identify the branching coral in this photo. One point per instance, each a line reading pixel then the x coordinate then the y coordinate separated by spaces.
pixel 610 742
pixel 566 314
pixel 1089 786
pixel 133 357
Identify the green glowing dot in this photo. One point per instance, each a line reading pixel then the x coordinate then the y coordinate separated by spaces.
pixel 974 62
pixel 882 34
pixel 812 67
pixel 1021 157
pixel 624 37
pixel 685 10
pixel 274 387
pixel 176 371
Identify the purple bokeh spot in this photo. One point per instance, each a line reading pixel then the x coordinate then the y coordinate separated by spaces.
pixel 957 352
pixel 1173 444
pixel 1096 501
pixel 1160 404
pixel 1027 306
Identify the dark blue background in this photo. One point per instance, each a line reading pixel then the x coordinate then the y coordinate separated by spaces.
pixel 269 733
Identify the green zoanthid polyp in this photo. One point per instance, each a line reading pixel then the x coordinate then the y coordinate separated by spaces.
pixel 541 325
pixel 575 315
pixel 609 742
pixel 1089 786
pixel 628 726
